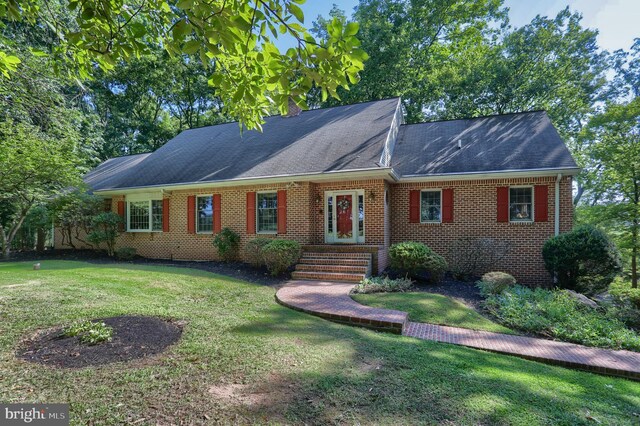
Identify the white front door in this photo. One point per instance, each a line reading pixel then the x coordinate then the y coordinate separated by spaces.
pixel 344 216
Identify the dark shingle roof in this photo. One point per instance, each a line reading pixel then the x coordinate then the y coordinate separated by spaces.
pixel 332 139
pixel 522 141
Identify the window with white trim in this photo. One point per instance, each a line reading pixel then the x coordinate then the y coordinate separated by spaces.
pixel 204 214
pixel 267 212
pixel 431 206
pixel 521 204
pixel 144 216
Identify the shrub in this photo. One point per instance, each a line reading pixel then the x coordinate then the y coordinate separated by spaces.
pixel 105 230
pixel 584 260
pixel 280 255
pixel 253 251
pixel 89 332
pixel 626 303
pixel 556 314
pixel 411 258
pixel 471 257
pixel 436 266
pixel 382 285
pixel 495 283
pixel 621 290
pixel 126 253
pixel 226 242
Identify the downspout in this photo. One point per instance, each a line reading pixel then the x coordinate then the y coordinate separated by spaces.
pixel 556 215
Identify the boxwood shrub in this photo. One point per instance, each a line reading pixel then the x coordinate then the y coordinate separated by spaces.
pixel 412 258
pixel 584 260
pixel 279 255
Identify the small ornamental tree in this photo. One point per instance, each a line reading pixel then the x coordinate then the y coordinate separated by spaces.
pixel 73 215
pixel 584 260
pixel 105 230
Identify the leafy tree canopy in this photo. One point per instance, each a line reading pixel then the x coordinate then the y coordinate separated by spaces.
pixel 234 40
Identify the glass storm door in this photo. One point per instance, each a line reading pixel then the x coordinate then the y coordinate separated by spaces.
pixel 344 217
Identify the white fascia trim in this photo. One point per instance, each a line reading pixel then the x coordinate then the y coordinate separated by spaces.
pixel 394 128
pixel 498 174
pixel 377 172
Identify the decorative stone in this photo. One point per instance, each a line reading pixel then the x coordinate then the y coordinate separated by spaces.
pixel 36 266
pixel 582 299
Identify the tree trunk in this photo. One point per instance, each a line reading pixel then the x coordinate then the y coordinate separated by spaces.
pixel 634 253
pixel 41 236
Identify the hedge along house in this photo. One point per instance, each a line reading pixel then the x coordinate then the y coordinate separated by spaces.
pixel 347 182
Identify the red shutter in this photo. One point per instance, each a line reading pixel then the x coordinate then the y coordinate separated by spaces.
pixel 414 206
pixel 503 204
pixel 217 213
pixel 121 214
pixel 251 212
pixel 191 214
pixel 541 199
pixel 165 215
pixel 282 212
pixel 447 205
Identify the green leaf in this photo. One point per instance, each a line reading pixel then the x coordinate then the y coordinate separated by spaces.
pixel 191 47
pixel 351 29
pixel 296 11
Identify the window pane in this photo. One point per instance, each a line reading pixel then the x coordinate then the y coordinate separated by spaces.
pixel 139 215
pixel 430 206
pixel 204 214
pixel 361 215
pixel 268 212
pixel 330 214
pixel 520 204
pixel 156 215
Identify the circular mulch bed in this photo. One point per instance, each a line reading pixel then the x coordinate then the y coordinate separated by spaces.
pixel 133 338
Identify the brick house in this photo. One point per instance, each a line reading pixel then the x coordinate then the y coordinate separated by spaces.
pixel 346 182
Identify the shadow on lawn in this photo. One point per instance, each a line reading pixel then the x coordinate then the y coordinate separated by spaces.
pixel 394 379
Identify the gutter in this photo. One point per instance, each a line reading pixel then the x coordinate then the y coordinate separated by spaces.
pixel 493 174
pixel 377 172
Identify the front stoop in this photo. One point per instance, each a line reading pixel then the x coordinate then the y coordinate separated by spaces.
pixel 325 266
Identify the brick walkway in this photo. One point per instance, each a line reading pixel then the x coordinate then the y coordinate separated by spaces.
pixel 331 300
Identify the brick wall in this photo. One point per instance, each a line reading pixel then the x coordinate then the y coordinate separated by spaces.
pixel 475 216
pixel 385 222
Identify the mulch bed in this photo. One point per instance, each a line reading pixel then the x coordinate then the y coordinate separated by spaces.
pixel 134 337
pixel 238 270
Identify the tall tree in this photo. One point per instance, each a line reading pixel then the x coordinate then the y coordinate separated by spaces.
pixel 33 167
pixel 615 152
pixel 408 43
pixel 147 101
pixel 234 40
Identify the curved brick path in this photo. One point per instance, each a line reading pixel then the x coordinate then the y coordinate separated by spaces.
pixel 331 300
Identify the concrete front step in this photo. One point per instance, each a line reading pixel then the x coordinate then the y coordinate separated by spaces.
pixel 308 254
pixel 353 269
pixel 327 276
pixel 330 261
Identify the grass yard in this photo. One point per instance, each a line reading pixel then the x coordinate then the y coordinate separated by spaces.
pixel 245 359
pixel 432 308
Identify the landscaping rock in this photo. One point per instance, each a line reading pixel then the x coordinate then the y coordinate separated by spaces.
pixel 582 299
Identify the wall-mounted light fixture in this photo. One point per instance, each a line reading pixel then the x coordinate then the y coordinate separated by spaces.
pixel 371 196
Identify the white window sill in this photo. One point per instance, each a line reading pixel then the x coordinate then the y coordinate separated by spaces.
pixel 142 231
pixel 521 222
pixel 431 223
pixel 267 232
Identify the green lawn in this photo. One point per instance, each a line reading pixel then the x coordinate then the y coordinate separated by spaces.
pixel 245 359
pixel 432 308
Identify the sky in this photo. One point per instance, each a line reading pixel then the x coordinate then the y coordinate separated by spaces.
pixel 618 21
